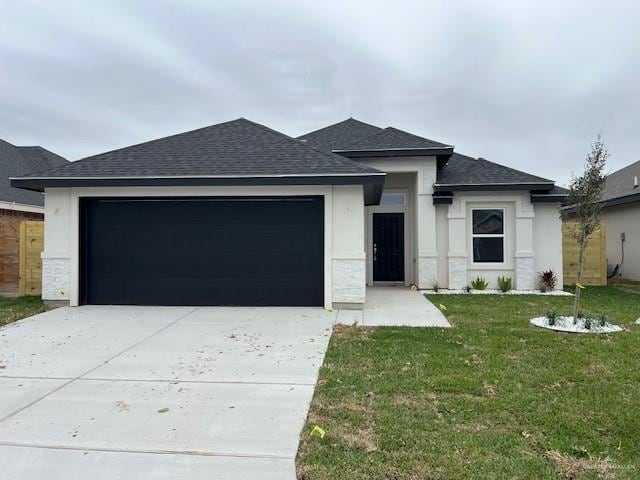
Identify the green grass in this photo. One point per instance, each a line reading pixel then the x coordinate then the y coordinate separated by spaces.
pixel 492 397
pixel 12 309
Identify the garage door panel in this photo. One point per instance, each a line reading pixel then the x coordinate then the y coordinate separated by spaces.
pixel 203 251
pixel 254 264
pixel 276 293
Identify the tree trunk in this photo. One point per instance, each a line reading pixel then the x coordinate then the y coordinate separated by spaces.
pixel 576 301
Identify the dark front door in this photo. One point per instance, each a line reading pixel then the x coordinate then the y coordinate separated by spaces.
pixel 388 247
pixel 203 251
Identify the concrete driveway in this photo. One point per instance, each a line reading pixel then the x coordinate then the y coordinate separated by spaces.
pixel 158 392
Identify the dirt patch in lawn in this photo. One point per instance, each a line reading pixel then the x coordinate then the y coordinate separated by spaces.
pixel 571 467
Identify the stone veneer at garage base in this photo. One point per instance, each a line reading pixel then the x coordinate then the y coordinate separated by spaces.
pixel 348 283
pixel 56 279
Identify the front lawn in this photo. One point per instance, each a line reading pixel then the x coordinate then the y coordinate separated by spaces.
pixel 493 397
pixel 12 309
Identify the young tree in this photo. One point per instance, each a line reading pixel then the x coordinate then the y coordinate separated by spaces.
pixel 585 192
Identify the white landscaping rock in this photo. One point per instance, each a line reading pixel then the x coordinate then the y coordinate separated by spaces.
pixel 566 324
pixel 443 291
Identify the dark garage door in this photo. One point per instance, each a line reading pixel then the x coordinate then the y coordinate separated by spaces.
pixel 203 251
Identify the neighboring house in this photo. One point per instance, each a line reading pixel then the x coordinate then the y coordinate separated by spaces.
pixel 621 214
pixel 239 214
pixel 17 205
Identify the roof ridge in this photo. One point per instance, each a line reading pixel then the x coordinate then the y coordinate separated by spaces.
pixel 339 123
pixel 419 136
pixel 161 138
pixel 512 169
pixel 403 132
pixel 368 137
pixel 632 164
pixel 333 156
pixel 269 129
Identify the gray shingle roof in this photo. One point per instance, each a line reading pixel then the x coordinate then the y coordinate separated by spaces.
pixel 16 161
pixel 559 191
pixel 236 148
pixel 620 183
pixel 465 170
pixel 354 135
pixel 392 138
pixel 340 135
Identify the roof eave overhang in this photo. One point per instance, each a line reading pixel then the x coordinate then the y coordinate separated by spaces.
pixel 549 198
pixel 443 199
pixel 372 182
pixel 20 207
pixel 485 187
pixel 611 202
pixel 398 152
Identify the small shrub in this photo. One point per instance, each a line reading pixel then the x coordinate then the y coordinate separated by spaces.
pixel 479 284
pixel 504 284
pixel 548 280
pixel 552 316
pixel 603 320
pixel 590 319
pixel 467 289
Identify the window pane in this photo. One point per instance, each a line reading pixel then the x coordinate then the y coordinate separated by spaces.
pixel 488 221
pixel 392 199
pixel 488 249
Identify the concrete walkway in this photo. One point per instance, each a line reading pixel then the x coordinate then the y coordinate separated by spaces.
pixel 158 392
pixel 394 306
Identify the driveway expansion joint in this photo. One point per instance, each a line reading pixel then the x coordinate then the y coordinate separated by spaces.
pixel 150 451
pixel 162 380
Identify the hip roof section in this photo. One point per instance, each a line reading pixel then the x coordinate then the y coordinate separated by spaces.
pixel 233 149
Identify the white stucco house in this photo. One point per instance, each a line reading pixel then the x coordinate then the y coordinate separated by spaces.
pixel 239 214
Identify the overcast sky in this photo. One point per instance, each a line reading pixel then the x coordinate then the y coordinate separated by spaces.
pixel 525 83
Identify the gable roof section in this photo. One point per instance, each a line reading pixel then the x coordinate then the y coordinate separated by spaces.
pixel 339 135
pixel 15 161
pixel 467 173
pixel 620 185
pixel 239 152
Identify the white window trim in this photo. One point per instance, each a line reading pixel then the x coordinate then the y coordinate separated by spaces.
pixel 502 235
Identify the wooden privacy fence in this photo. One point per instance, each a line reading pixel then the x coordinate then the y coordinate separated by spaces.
pixel 31 246
pixel 594 271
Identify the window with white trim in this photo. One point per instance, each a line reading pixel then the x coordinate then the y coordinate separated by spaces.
pixel 488 235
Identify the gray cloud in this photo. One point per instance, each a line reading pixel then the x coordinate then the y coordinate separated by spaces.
pixel 528 84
